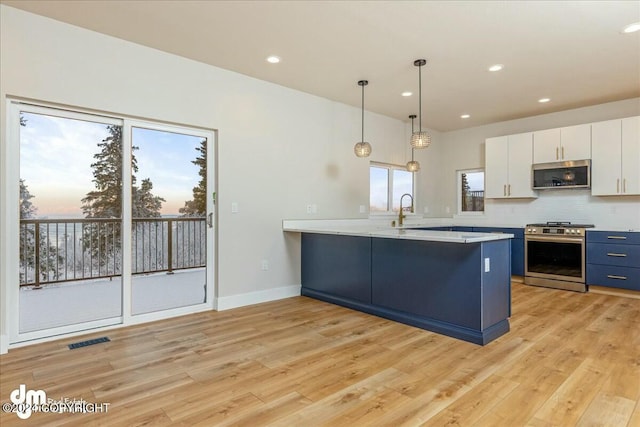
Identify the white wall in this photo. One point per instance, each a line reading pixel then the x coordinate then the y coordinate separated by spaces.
pixel 278 149
pixel 464 149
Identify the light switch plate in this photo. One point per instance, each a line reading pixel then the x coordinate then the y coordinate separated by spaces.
pixel 487 265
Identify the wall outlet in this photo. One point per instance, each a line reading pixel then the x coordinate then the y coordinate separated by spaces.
pixel 426 209
pixel 363 209
pixel 234 207
pixel 264 265
pixel 309 209
pixel 447 209
pixel 487 265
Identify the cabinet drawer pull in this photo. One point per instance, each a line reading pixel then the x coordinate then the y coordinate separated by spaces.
pixel 617 237
pixel 613 276
pixel 613 254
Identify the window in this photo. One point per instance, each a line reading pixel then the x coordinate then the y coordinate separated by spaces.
pixel 470 191
pixel 387 184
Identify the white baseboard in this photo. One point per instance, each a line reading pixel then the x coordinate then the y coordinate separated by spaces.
pixel 234 301
pixel 4 344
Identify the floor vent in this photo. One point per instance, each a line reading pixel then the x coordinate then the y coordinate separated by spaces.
pixel 88 342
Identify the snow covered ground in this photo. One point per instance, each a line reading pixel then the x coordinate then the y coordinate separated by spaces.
pixel 76 302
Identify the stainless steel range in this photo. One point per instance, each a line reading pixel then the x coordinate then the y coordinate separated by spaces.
pixel 554 255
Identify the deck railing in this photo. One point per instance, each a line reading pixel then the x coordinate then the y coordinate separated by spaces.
pixel 473 201
pixel 64 250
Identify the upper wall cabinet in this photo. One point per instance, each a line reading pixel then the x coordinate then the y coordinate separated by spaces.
pixel 508 166
pixel 615 163
pixel 562 144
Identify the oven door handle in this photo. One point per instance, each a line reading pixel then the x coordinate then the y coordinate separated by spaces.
pixel 554 239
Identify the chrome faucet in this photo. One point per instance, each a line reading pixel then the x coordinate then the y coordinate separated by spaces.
pixel 401 215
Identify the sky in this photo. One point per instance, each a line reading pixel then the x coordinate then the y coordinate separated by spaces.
pixel 56 156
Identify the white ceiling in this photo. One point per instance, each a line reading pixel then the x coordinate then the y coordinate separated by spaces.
pixel 570 51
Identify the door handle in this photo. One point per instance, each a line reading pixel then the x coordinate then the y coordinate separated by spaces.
pixel 618 255
pixel 618 185
pixel 210 220
pixel 562 149
pixel 504 190
pixel 557 157
pixel 509 193
pixel 613 276
pixel 624 185
pixel 617 237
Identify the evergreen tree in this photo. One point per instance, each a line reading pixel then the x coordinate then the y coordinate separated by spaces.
pixel 145 204
pixel 27 210
pixel 49 255
pixel 198 205
pixel 106 200
pixel 103 240
pixel 465 193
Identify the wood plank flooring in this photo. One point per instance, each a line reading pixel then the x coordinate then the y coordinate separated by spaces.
pixel 570 359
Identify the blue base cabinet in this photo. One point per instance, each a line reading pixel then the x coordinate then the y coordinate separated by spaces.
pixel 613 259
pixel 517 243
pixel 441 287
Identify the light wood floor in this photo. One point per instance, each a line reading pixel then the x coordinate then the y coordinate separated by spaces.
pixel 570 359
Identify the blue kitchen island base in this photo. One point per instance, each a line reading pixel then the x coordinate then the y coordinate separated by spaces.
pixel 462 290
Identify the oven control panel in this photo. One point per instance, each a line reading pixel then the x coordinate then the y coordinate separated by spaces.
pixel 556 231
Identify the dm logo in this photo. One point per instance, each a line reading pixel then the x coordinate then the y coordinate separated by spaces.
pixel 26 400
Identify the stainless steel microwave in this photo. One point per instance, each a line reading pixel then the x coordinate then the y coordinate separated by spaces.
pixel 556 175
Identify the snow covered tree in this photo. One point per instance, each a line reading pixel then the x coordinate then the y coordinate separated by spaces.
pixel 103 239
pixel 198 205
pixel 145 204
pixel 27 210
pixel 49 256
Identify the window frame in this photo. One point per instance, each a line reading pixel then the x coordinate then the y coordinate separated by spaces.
pixel 459 174
pixel 390 167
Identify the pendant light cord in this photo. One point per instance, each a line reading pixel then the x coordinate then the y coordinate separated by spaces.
pixel 362 135
pixel 420 95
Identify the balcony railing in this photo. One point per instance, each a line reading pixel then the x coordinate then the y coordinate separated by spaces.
pixel 473 201
pixel 54 251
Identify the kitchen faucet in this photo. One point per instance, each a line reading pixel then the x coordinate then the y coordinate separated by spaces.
pixel 401 215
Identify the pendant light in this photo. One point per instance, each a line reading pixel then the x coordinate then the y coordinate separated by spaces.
pixel 362 148
pixel 420 139
pixel 412 166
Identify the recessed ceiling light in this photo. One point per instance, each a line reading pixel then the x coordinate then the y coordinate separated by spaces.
pixel 465 116
pixel 273 59
pixel 407 93
pixel 496 67
pixel 631 28
pixel 543 100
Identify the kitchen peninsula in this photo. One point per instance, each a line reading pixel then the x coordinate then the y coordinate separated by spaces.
pixel 453 283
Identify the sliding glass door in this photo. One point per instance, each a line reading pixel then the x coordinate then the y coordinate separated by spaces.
pixel 169 219
pixel 115 225
pixel 70 224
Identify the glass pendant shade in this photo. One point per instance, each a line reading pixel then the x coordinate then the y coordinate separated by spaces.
pixel 420 139
pixel 413 166
pixel 362 149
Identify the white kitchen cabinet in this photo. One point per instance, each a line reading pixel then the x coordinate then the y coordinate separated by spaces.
pixel 615 161
pixel 562 144
pixel 508 166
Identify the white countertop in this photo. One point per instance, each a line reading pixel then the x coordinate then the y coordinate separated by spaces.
pixel 363 228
